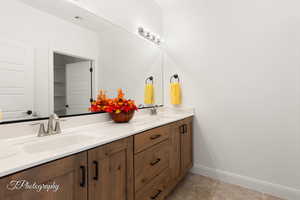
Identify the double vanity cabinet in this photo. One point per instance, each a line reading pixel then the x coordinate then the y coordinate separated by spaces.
pixel 145 166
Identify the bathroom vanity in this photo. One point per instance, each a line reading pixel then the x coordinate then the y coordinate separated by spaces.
pixel 145 165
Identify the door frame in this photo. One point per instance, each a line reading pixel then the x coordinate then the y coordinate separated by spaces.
pixel 94 80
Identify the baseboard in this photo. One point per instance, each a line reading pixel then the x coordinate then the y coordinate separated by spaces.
pixel 248 182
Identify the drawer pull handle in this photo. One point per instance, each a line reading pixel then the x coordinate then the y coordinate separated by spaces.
pixel 185 128
pixel 181 131
pixel 154 137
pixel 96 177
pixel 82 182
pixel 155 162
pixel 156 195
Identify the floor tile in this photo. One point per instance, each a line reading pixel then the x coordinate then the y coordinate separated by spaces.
pixel 270 197
pixel 233 192
pixel 195 187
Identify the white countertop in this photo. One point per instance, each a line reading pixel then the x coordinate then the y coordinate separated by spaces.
pixel 23 152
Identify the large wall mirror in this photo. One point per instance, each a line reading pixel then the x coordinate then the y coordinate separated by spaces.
pixel 55 57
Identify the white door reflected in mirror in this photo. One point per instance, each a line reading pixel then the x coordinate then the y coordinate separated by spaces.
pixel 16 80
pixel 78 87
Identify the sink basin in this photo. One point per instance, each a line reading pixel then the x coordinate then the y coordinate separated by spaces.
pixel 59 142
pixel 7 151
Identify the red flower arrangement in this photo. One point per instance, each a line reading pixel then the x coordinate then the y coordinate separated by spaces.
pixel 116 105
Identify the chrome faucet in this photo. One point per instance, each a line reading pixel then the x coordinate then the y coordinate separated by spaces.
pixel 42 131
pixel 153 110
pixel 53 127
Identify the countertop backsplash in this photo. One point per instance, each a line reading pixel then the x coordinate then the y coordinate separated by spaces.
pixel 24 129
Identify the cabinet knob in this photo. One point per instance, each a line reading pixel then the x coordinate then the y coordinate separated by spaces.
pixel 29 112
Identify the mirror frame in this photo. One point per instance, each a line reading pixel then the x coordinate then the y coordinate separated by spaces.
pixel 62 117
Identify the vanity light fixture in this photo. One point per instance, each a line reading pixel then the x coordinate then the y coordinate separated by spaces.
pixel 153 38
pixel 158 41
pixel 149 36
pixel 141 31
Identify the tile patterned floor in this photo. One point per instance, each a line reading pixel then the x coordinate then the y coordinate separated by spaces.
pixel 195 187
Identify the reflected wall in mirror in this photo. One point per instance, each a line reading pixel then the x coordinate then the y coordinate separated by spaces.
pixel 127 61
pixel 46 57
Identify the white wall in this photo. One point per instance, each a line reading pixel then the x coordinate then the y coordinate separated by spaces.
pixel 240 68
pixel 45 32
pixel 130 14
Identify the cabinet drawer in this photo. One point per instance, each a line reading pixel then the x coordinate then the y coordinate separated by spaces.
pixel 156 189
pixel 151 163
pixel 149 138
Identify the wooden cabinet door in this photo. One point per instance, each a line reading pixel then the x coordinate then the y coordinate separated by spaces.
pixel 186 130
pixel 111 171
pixel 175 163
pixel 68 173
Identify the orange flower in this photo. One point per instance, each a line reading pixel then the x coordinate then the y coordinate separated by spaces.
pixel 120 94
pixel 101 96
pixel 117 105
